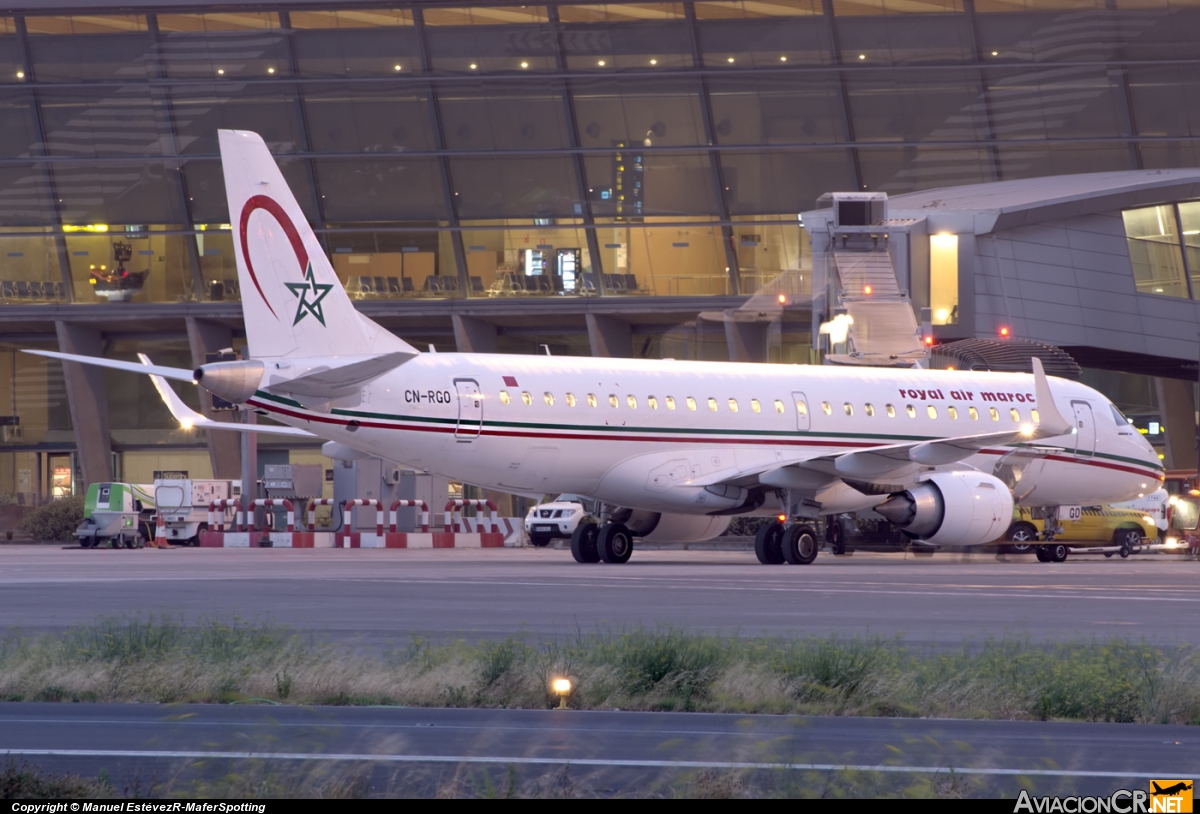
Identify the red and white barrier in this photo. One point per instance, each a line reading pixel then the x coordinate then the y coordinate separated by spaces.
pixel 216 536
pixel 266 537
pixel 456 507
pixel 347 538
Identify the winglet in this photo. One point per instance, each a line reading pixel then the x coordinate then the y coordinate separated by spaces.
pixel 1052 421
pixel 190 419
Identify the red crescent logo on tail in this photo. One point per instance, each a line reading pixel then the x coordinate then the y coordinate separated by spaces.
pixel 276 211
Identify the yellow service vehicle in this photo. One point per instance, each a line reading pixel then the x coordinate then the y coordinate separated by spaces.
pixel 1097 525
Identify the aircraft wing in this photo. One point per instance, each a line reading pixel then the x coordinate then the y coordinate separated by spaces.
pixel 897 461
pixel 189 418
pixel 177 373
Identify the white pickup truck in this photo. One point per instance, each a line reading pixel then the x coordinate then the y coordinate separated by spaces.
pixel 183 505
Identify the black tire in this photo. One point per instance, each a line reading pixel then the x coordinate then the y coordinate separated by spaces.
pixel 837 538
pixel 800 545
pixel 194 542
pixel 130 542
pixel 1021 537
pixel 539 540
pixel 583 543
pixel 1128 539
pixel 1058 552
pixel 615 543
pixel 1108 555
pixel 768 544
pixel 1042 554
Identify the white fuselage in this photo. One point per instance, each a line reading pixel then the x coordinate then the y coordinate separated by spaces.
pixel 651 434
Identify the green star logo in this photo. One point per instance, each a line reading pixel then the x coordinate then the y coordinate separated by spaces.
pixel 308 306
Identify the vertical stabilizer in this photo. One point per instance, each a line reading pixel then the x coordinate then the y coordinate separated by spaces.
pixel 292 301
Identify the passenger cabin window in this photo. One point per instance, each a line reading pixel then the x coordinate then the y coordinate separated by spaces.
pixel 527 398
pixel 994 413
pixel 652 402
pixel 973 413
pixel 549 397
pixel 869 410
pixel 570 399
pixel 755 406
pixel 1016 415
pixel 691 403
pixel 712 404
pixel 591 399
pixel 504 397
pixel 849 408
pixel 779 406
pixel 801 407
pixel 952 411
pixel 670 402
pixel 826 408
pixel 891 411
pixel 929 408
pixel 632 402
pixel 1036 419
pixel 733 405
pixel 912 411
pixel 612 400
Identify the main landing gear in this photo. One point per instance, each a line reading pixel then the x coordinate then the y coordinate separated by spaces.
pixel 1052 552
pixel 611 543
pixel 776 544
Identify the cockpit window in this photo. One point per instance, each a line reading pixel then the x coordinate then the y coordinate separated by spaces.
pixel 1119 417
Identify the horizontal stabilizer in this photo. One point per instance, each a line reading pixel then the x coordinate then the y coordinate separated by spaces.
pixel 325 381
pixel 190 419
pixel 177 373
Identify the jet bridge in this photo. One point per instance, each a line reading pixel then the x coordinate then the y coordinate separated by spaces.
pixel 871 319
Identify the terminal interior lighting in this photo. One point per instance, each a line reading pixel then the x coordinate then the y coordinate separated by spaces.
pixel 867 290
pixel 562 688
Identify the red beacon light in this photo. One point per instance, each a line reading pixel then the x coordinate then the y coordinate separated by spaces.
pixel 1004 333
pixel 929 340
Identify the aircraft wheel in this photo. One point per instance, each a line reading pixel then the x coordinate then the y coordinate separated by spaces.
pixel 837 538
pixel 799 545
pixel 1042 554
pixel 615 543
pixel 1058 552
pixel 583 543
pixel 1108 555
pixel 539 540
pixel 768 544
pixel 1127 539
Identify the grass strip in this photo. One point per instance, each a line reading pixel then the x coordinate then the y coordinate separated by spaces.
pixel 161 659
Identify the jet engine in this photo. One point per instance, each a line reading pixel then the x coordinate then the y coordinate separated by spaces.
pixel 952 508
pixel 654 527
pixel 232 381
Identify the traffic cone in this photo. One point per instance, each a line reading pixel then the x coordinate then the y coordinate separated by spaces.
pixel 160 534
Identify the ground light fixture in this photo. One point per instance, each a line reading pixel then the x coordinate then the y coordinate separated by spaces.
pixel 562 688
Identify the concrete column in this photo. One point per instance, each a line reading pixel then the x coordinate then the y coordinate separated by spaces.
pixel 747 340
pixel 610 337
pixel 209 337
pixel 1177 409
pixel 473 335
pixel 88 400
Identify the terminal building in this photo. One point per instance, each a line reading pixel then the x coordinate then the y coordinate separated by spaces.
pixel 622 179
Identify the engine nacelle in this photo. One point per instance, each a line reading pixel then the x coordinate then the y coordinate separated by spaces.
pixel 232 381
pixel 656 527
pixel 952 508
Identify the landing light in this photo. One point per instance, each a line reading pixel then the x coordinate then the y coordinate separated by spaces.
pixel 783 518
pixel 186 424
pixel 1026 429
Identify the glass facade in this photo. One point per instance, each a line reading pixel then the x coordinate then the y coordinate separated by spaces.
pixel 621 149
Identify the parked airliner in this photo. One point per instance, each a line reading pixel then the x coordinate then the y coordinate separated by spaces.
pixel 668 448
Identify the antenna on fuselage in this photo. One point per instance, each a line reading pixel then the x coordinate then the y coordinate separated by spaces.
pixel 545 348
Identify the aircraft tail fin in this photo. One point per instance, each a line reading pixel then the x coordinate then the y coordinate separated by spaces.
pixel 292 301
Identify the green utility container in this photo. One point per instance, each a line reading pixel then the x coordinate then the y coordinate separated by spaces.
pixel 119 514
